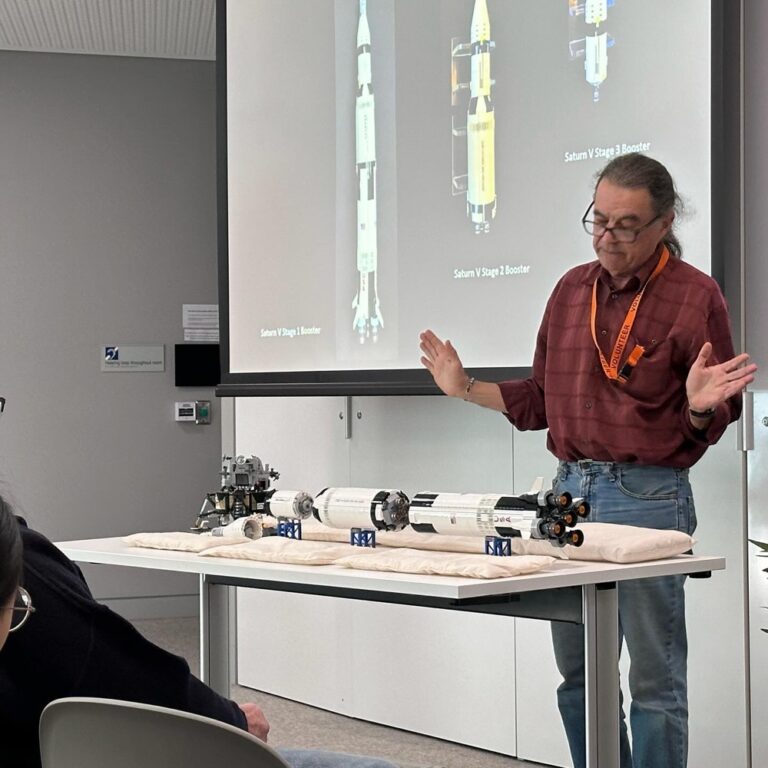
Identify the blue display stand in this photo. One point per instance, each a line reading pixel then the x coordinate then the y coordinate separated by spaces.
pixel 362 537
pixel 497 545
pixel 289 529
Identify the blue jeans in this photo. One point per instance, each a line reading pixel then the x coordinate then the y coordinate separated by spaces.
pixel 651 615
pixel 314 758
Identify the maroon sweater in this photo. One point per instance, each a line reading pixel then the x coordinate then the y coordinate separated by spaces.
pixel 645 420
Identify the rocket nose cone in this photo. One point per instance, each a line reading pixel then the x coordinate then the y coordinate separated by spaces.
pixel 481 23
pixel 363 31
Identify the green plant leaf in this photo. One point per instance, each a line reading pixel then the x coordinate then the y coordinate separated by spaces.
pixel 763 545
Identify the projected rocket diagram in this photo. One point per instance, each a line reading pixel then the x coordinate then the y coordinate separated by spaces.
pixel 473 121
pixel 593 47
pixel 368 319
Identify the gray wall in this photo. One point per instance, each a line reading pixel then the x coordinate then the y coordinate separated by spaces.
pixel 108 225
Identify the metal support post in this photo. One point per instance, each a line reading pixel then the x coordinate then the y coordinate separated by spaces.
pixel 601 669
pixel 218 635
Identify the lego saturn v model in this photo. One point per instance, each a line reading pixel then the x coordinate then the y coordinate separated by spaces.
pixel 537 516
pixel 480 131
pixel 366 508
pixel 245 491
pixel 592 47
pixel 544 515
pixel 367 320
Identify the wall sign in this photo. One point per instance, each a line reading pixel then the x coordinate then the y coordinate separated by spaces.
pixel 132 357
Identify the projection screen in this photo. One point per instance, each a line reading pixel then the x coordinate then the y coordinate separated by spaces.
pixel 388 166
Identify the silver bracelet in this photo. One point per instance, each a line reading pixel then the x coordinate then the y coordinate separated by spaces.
pixel 469 386
pixel 708 414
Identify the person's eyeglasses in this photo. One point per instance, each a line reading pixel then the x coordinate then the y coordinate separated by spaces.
pixel 620 234
pixel 22 608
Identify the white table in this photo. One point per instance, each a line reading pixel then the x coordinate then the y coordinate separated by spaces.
pixel 569 590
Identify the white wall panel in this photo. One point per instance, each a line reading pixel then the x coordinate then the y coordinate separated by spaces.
pixel 429 444
pixel 295 646
pixel 436 672
pixel 301 437
pixel 531 459
pixel 396 665
pixel 540 734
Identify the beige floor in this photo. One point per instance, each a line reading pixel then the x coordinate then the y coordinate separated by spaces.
pixel 298 725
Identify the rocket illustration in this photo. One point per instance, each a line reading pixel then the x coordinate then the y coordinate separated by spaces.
pixel 481 126
pixel 594 47
pixel 368 319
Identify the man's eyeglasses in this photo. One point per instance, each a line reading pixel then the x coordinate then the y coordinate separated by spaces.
pixel 620 234
pixel 22 608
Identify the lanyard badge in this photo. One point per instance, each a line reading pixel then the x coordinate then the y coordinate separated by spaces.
pixel 612 370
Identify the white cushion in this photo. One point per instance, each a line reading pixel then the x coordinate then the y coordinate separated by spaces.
pixel 603 542
pixel 612 543
pixel 471 545
pixel 276 549
pixel 181 541
pixel 313 530
pixel 445 563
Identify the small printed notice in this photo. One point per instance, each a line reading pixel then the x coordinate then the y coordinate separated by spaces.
pixel 132 357
pixel 200 316
pixel 211 335
pixel 201 322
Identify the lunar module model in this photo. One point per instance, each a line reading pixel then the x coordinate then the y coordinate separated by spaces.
pixel 245 491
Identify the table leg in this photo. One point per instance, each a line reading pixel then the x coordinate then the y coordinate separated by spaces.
pixel 601 663
pixel 218 635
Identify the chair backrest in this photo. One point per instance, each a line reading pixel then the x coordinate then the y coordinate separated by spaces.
pixel 94 733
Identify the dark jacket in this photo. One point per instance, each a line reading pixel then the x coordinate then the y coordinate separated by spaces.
pixel 73 646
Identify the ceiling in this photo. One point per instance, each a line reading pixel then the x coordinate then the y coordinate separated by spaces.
pixel 167 29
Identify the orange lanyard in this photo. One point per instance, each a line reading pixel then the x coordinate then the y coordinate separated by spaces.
pixel 612 370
